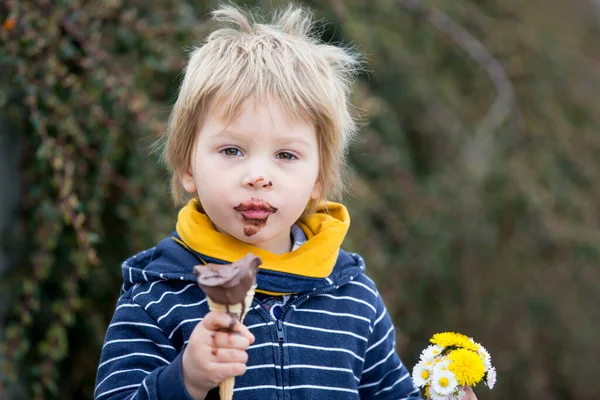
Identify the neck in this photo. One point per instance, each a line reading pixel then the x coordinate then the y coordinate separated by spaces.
pixel 278 248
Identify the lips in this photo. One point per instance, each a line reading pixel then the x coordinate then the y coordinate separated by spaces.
pixel 255 209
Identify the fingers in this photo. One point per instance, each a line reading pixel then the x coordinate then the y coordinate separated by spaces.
pixel 220 321
pixel 225 356
pixel 217 320
pixel 226 347
pixel 230 340
pixel 224 371
pixel 215 353
pixel 229 347
pixel 243 329
pixel 469 394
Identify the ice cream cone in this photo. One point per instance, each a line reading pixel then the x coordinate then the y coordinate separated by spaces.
pixel 239 310
pixel 229 288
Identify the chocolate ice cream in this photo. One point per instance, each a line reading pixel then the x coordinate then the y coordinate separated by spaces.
pixel 228 284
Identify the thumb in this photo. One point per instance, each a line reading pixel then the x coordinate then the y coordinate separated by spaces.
pixel 218 320
pixel 469 394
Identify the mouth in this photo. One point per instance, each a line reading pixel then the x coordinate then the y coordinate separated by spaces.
pixel 255 209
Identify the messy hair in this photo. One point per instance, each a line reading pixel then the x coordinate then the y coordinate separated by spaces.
pixel 283 60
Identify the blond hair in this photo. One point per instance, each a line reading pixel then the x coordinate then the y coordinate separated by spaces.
pixel 282 60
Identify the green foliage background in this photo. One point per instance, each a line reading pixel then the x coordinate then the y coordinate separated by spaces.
pixel 474 201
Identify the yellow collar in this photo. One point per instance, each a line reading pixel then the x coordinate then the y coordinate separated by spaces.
pixel 325 231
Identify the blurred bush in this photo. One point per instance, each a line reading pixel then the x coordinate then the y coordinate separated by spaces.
pixel 474 199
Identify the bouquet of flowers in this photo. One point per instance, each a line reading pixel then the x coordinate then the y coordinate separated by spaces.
pixel 451 363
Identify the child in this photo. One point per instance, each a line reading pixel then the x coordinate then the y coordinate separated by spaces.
pixel 257 136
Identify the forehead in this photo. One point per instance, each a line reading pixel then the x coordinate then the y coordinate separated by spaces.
pixel 256 117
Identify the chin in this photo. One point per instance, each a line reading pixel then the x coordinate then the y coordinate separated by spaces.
pixel 254 238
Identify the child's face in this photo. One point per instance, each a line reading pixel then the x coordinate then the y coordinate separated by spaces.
pixel 255 176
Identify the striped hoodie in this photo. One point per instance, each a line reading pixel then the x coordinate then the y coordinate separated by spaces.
pixel 333 339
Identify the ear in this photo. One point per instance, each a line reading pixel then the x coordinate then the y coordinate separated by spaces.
pixel 187 180
pixel 316 191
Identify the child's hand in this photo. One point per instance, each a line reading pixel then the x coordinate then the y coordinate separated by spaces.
pixel 470 395
pixel 212 356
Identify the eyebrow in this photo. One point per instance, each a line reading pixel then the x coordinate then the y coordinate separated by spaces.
pixel 293 140
pixel 229 134
pixel 282 139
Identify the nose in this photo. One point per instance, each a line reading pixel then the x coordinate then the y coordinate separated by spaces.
pixel 258 182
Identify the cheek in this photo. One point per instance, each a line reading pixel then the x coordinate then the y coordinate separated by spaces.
pixel 206 171
pixel 221 196
pixel 215 189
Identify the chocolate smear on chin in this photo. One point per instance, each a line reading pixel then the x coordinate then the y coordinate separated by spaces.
pixel 253 225
pixel 228 284
pixel 251 230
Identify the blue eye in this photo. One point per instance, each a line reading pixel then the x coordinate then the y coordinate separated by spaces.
pixel 231 152
pixel 284 155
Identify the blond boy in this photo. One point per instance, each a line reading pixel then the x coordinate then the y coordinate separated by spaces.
pixel 257 139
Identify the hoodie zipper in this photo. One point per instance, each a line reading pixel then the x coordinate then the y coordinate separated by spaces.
pixel 289 304
pixel 281 340
pixel 279 322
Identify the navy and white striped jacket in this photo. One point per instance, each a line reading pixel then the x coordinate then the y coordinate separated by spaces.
pixel 335 339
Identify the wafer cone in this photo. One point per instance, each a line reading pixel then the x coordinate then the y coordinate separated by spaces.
pixel 239 310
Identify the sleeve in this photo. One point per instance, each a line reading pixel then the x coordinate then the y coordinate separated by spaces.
pixel 137 360
pixel 384 376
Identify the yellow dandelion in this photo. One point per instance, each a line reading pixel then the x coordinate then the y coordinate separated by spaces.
pixel 467 366
pixel 447 339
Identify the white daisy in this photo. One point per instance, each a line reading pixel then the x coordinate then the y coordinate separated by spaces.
pixel 431 352
pixel 443 382
pixel 485 356
pixel 422 373
pixel 433 395
pixel 460 393
pixel 491 377
pixel 441 365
